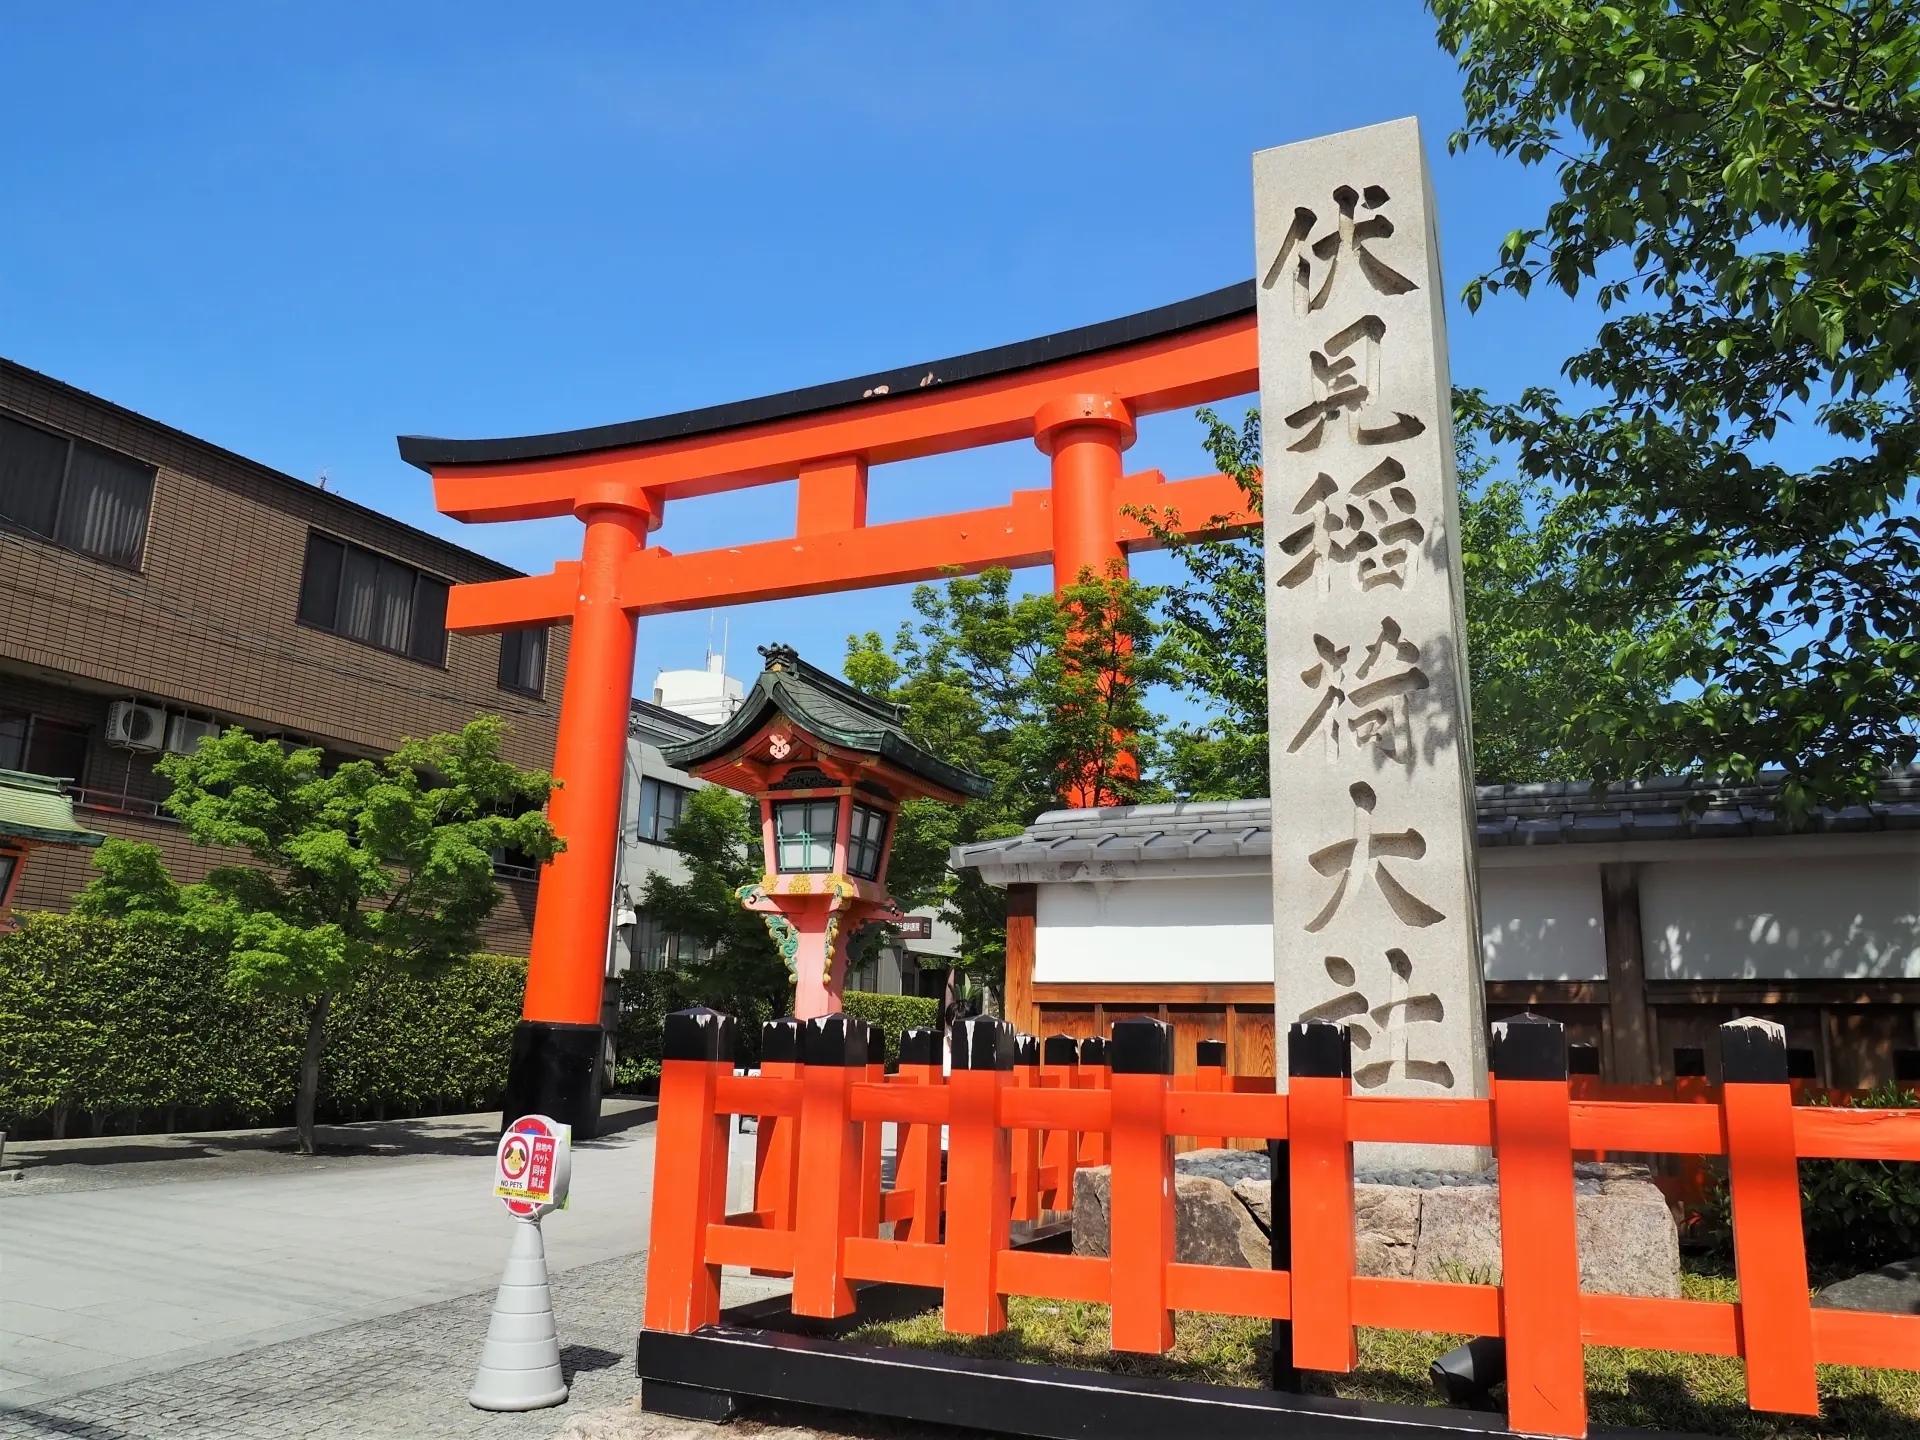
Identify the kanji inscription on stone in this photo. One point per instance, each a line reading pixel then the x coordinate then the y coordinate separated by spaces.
pixel 1376 911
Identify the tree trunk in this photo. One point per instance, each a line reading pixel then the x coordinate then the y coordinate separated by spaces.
pixel 309 1092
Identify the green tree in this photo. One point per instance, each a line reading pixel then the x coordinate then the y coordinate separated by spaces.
pixel 1044 695
pixel 373 865
pixel 1739 193
pixel 738 969
pixel 1534 652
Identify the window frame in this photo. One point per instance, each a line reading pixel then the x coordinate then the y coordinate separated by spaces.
pixel 520 636
pixel 646 824
pixel 137 564
pixel 857 842
pixel 421 578
pixel 806 837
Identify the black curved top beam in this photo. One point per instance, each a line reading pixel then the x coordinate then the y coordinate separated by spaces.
pixel 427 451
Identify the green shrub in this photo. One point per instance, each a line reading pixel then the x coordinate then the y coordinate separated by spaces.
pixel 1857 1214
pixel 892 1013
pixel 134 1022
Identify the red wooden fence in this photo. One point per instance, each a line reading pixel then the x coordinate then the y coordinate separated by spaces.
pixel 1016 1130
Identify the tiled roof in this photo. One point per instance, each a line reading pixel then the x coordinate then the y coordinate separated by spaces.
pixel 37 808
pixel 828 707
pixel 1555 813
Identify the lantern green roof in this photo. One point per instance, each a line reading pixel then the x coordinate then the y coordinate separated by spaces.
pixel 827 707
pixel 38 808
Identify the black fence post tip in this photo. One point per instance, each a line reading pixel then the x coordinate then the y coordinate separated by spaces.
pixel 1141 1046
pixel 1689 1062
pixel 698 1034
pixel 1753 1052
pixel 835 1040
pixel 981 1042
pixel 920 1045
pixel 1060 1050
pixel 780 1041
pixel 1319 1049
pixel 1211 1052
pixel 1528 1047
pixel 1026 1049
pixel 1583 1059
pixel 1093 1051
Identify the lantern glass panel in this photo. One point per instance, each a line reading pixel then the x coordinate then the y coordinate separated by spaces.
pixel 867 842
pixel 803 833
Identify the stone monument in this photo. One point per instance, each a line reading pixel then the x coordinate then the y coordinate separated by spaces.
pixel 1375 906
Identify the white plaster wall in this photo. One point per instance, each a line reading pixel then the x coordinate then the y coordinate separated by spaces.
pixel 1217 930
pixel 1542 923
pixel 1851 918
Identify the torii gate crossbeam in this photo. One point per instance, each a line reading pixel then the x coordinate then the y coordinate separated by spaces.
pixel 1076 394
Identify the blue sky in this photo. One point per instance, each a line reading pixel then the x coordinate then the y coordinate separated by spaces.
pixel 298 232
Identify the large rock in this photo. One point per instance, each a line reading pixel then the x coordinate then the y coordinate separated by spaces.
pixel 1210 1227
pixel 1428 1225
pixel 1893 1290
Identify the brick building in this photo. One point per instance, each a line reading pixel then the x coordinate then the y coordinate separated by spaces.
pixel 154 586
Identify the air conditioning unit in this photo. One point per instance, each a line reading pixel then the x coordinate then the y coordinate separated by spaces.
pixel 134 726
pixel 184 733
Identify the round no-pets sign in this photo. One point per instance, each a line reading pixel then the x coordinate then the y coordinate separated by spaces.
pixel 532 1166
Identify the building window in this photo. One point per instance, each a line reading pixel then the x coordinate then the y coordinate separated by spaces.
pixel 42 747
pixel 9 869
pixel 866 843
pixel 803 832
pixel 661 806
pixel 356 593
pixel 651 947
pixel 77 495
pixel 523 661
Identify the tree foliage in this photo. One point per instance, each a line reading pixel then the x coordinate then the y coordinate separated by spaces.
pixel 1044 695
pixel 372 866
pixel 738 970
pixel 1739 193
pixel 1536 653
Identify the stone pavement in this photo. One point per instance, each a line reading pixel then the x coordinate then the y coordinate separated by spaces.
pixel 135 1255
pixel 400 1375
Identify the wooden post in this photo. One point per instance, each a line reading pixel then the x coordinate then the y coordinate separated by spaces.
pixel 1140 1216
pixel 1060 1066
pixel 1320 1168
pixel 1539 1241
pixel 1092 1074
pixel 918 1169
pixel 1629 1024
pixel 979 1176
pixel 1026 1143
pixel 1022 904
pixel 1769 1246
pixel 776 1172
pixel 1210 1077
pixel 834 1051
pixel 683 1291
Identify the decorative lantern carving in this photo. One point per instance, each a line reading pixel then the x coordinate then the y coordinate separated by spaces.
pixel 830 767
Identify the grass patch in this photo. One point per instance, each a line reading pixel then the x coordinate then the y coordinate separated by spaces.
pixel 1654 1389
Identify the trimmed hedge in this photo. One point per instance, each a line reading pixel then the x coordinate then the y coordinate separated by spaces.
pixel 135 1026
pixel 647 997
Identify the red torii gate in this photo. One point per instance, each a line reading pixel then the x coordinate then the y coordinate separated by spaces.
pixel 1076 394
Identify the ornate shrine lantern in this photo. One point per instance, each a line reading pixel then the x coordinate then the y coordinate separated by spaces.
pixel 830 767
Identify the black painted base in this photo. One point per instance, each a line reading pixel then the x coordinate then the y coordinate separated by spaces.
pixel 1012 1398
pixel 663 1397
pixel 554 1071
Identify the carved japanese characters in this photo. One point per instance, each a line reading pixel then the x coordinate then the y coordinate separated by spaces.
pixel 1376 922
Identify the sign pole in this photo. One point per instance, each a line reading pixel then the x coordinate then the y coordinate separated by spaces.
pixel 520 1365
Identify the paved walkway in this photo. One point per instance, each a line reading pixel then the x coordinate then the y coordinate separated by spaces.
pixel 136 1255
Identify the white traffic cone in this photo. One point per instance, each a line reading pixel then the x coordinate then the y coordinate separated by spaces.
pixel 520 1366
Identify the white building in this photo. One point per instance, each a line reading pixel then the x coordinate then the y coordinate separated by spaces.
pixel 709 696
pixel 652 797
pixel 1642 919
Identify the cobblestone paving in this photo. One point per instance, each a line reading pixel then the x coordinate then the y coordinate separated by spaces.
pixel 404 1375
